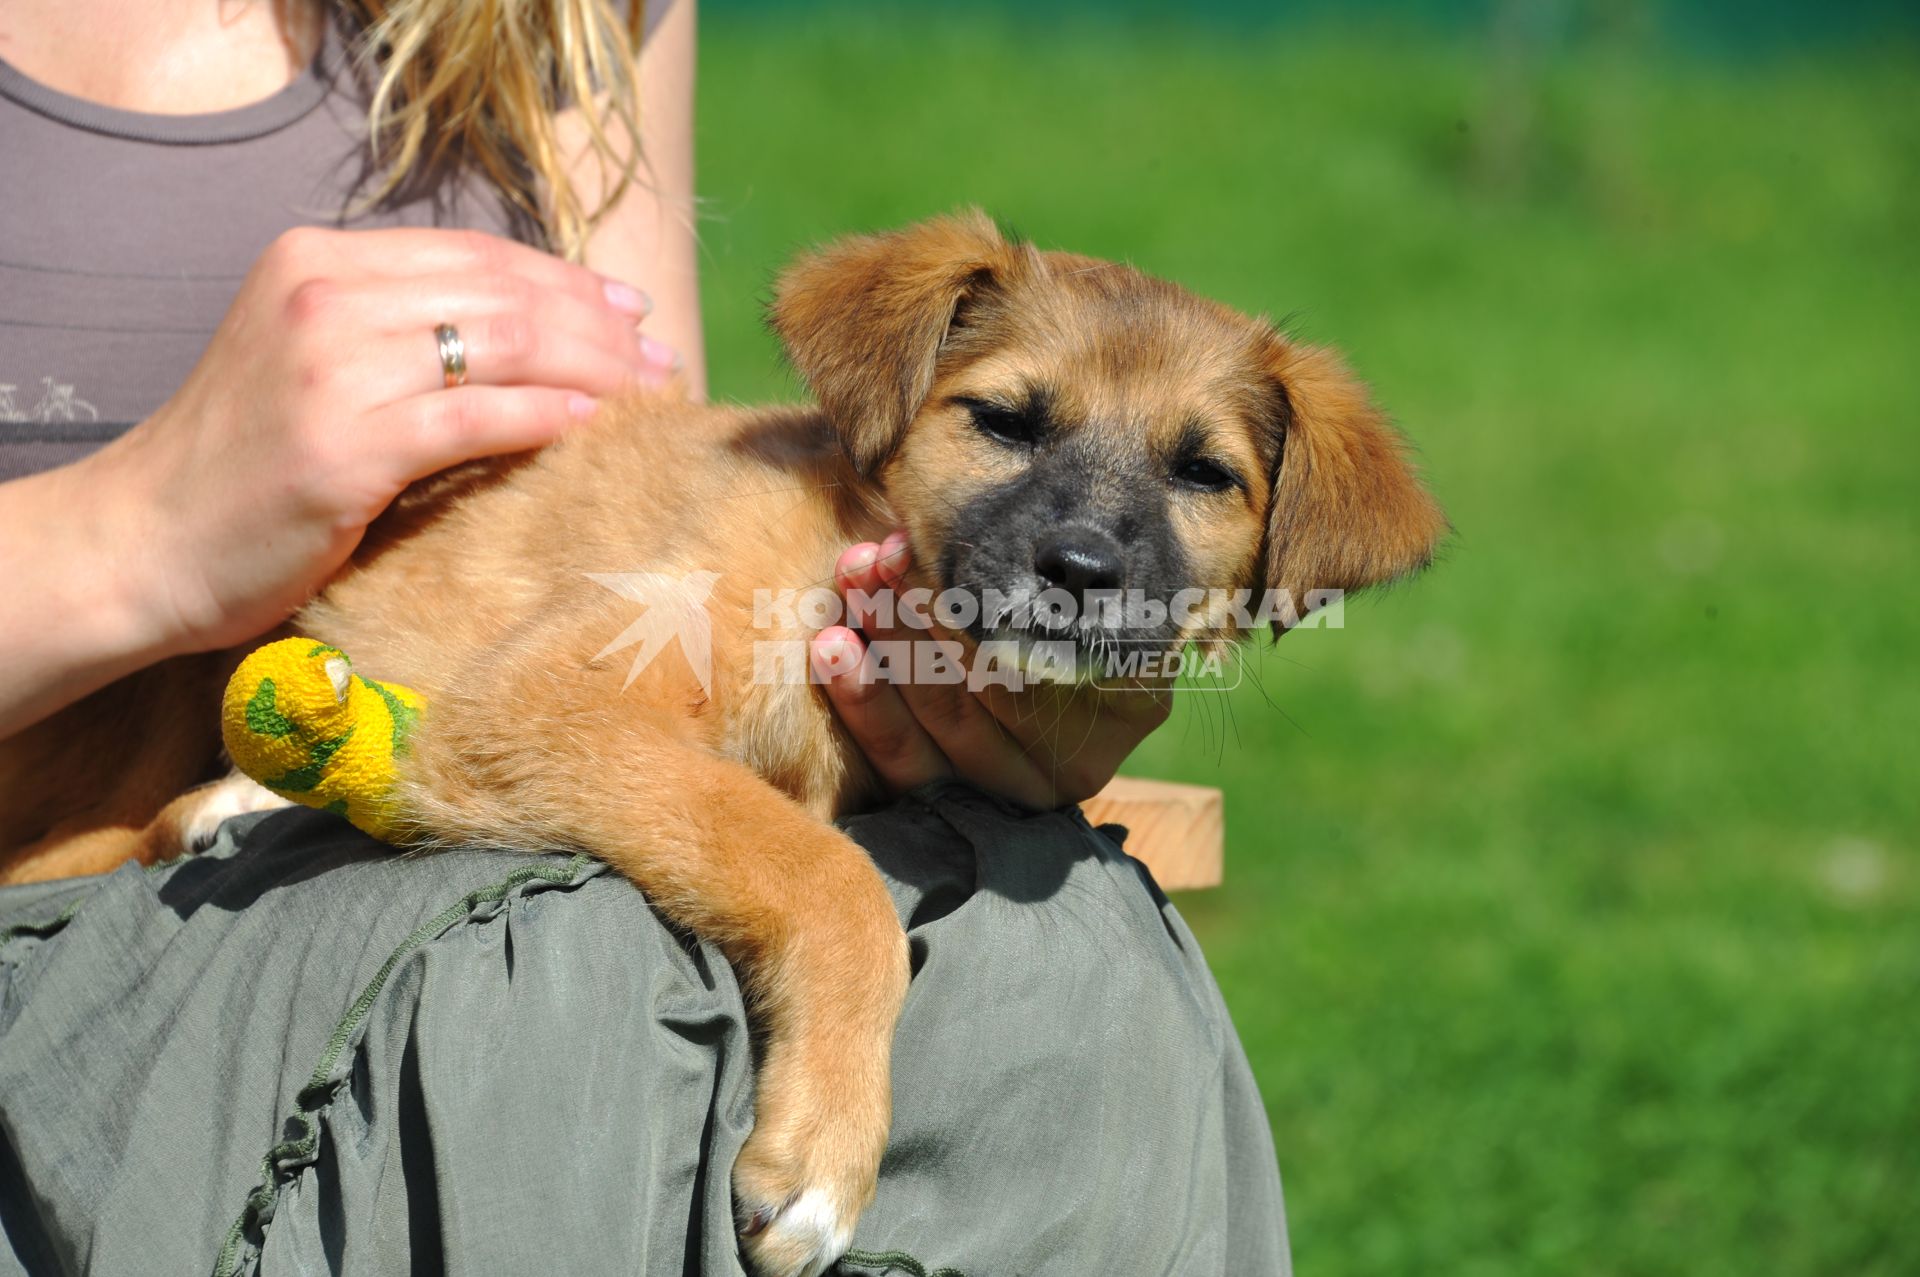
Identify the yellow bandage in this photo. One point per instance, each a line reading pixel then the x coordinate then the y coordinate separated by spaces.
pixel 297 719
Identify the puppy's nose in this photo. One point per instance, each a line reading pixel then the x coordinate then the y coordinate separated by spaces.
pixel 1079 562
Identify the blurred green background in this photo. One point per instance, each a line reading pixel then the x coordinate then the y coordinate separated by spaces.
pixel 1572 915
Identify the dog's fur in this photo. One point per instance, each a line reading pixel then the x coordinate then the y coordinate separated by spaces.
pixel 988 397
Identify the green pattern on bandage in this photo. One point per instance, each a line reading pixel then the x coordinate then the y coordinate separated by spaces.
pixel 404 715
pixel 318 648
pixel 302 779
pixel 263 719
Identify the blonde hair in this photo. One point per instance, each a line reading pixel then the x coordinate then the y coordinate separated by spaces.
pixel 477 83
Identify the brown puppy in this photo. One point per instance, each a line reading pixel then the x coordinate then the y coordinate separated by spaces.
pixel 1035 420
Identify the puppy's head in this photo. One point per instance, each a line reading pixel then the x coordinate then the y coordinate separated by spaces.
pixel 1042 422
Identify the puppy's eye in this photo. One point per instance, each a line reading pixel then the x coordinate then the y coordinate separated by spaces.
pixel 1206 476
pixel 1017 427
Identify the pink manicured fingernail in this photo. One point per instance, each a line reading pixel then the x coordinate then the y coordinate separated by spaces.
pixel 894 556
pixel 658 353
pixel 834 657
pixel 582 405
pixel 627 299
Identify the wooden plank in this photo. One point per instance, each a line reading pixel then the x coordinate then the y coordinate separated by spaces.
pixel 1177 831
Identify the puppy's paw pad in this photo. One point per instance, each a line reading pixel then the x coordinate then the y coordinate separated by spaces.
pixel 799 1238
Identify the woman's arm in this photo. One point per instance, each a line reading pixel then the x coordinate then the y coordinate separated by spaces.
pixel 648 238
pixel 77 609
pixel 318 399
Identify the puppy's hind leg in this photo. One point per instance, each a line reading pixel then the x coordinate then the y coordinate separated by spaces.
pixel 796 906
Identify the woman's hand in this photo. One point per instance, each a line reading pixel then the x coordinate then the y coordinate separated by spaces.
pixel 1042 747
pixel 321 396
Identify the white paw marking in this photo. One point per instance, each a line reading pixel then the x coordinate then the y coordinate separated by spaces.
pixel 222 801
pixel 812 1224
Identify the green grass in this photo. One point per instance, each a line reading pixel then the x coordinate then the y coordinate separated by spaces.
pixel 1572 917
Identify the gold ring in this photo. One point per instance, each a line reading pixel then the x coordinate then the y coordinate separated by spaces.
pixel 453 355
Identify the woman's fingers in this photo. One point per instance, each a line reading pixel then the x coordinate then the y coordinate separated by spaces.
pixel 381 334
pixel 1079 734
pixel 873 713
pixel 410 252
pixel 1077 737
pixel 912 739
pixel 949 717
pixel 526 316
pixel 553 341
pixel 428 433
pixel 868 705
pixel 1042 745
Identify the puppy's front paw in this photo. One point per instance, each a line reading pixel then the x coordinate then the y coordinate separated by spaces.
pixel 799 1239
pixel 204 810
pixel 811 1164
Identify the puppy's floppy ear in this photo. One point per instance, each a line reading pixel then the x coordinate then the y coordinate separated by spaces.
pixel 864 320
pixel 1348 509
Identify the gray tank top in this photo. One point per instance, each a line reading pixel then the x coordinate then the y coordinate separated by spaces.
pixel 124 236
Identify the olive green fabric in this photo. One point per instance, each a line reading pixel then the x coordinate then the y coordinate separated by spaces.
pixel 300 1053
